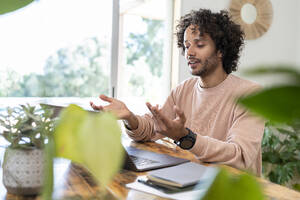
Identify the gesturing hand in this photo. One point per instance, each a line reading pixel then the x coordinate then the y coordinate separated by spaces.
pixel 115 106
pixel 171 128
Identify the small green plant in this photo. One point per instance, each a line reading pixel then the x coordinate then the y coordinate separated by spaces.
pixel 281 152
pixel 26 126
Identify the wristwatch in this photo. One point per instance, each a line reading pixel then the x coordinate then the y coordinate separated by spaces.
pixel 188 141
pixel 127 126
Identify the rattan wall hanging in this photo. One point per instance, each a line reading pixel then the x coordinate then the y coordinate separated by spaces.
pixel 261 21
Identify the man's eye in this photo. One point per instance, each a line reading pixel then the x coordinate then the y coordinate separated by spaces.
pixel 200 45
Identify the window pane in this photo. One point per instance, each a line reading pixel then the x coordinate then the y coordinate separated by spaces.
pixel 146 40
pixel 57 48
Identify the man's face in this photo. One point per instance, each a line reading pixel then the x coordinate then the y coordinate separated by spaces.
pixel 200 52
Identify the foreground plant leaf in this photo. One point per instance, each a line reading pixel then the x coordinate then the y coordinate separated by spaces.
pixel 234 187
pixel 278 104
pixel 93 140
pixel 48 176
pixel 296 187
pixel 102 152
pixel 67 133
pixel 11 5
pixel 290 71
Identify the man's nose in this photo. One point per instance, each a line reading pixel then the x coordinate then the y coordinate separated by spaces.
pixel 190 51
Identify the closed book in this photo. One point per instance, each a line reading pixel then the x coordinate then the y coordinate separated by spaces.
pixel 182 175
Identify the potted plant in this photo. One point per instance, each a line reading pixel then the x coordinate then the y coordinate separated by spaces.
pixel 26 128
pixel 280 153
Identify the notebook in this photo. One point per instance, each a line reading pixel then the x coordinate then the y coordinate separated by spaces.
pixel 182 175
pixel 205 177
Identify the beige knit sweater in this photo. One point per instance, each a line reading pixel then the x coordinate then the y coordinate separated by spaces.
pixel 226 133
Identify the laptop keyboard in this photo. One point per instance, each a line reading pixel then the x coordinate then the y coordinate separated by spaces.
pixel 141 161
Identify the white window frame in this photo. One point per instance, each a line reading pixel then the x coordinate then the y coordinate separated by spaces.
pixel 115 47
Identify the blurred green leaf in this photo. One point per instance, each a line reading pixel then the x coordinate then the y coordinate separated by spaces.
pixel 279 104
pixel 277 69
pixel 67 133
pixel 234 187
pixel 93 140
pixel 12 5
pixel 48 176
pixel 102 150
pixel 296 187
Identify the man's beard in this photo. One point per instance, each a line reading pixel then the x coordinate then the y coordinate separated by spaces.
pixel 208 66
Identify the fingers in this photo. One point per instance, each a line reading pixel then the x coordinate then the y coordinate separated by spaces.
pixel 158 115
pixel 180 114
pixel 96 107
pixel 163 118
pixel 93 106
pixel 158 124
pixel 150 107
pixel 106 98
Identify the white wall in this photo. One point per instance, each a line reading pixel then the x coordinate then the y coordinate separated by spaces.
pixel 280 44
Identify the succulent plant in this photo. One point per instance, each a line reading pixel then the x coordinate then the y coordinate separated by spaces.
pixel 27 126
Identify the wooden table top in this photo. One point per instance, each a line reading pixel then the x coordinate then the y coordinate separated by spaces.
pixel 74 182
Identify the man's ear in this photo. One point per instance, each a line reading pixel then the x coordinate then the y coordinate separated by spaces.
pixel 219 54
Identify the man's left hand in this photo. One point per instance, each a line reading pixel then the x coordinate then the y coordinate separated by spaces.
pixel 173 129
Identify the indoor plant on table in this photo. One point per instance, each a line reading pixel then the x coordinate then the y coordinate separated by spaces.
pixel 27 129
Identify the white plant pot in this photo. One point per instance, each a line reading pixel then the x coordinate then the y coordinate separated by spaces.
pixel 23 171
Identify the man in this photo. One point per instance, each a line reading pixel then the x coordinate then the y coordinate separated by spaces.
pixel 201 114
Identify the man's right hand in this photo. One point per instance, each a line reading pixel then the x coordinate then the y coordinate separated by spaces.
pixel 118 108
pixel 115 106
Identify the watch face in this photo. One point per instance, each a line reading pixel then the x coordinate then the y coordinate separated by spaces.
pixel 186 144
pixel 188 141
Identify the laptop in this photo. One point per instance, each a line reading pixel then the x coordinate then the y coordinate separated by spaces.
pixel 141 160
pixel 135 159
pixel 57 107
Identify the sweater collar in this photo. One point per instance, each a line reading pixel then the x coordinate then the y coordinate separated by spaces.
pixel 219 87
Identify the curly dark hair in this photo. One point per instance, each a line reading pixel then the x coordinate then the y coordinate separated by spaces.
pixel 227 35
